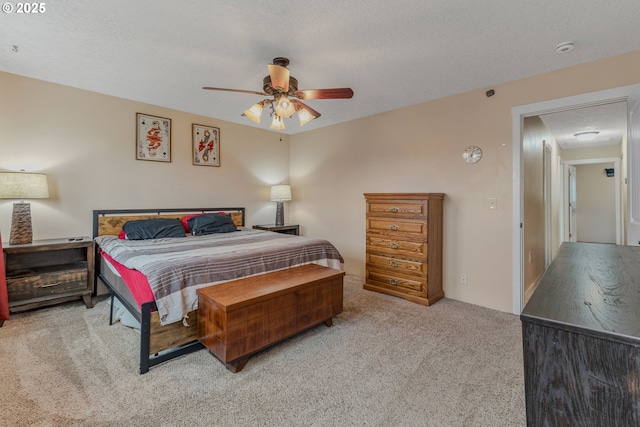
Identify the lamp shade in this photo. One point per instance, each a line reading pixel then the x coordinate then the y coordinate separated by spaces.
pixel 255 111
pixel 22 185
pixel 277 122
pixel 280 193
pixel 305 116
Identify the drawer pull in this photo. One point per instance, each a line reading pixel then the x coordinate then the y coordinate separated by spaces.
pixel 394 245
pixel 50 285
pixel 393 282
pixel 394 209
pixel 394 227
pixel 393 263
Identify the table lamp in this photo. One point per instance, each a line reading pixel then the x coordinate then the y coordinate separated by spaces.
pixel 280 193
pixel 22 185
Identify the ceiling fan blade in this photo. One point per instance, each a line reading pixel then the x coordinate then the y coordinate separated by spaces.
pixel 279 76
pixel 235 90
pixel 337 93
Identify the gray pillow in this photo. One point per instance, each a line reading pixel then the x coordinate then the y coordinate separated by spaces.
pixel 210 224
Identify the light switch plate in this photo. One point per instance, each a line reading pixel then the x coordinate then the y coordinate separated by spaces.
pixel 493 203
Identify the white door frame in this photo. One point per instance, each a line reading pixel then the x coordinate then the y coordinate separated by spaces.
pixel 518 114
pixel 618 192
pixel 569 196
pixel 548 202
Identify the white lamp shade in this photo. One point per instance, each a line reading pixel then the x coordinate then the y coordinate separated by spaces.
pixel 254 112
pixel 22 185
pixel 277 122
pixel 280 193
pixel 305 116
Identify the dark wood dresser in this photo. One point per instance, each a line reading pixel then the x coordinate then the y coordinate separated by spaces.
pixel 581 339
pixel 404 245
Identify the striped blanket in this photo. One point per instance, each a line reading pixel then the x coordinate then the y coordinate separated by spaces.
pixel 176 267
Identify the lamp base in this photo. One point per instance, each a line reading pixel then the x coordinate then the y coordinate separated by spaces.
pixel 279 214
pixel 21 231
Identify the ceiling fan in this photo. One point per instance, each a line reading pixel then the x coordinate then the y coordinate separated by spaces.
pixel 284 89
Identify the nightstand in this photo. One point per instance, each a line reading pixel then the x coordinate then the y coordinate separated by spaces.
pixel 48 272
pixel 284 229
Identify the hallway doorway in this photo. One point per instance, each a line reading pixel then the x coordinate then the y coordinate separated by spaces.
pixel 621 94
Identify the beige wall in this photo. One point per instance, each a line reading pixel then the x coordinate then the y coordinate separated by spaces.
pixel 609 151
pixel 419 149
pixel 595 203
pixel 85 143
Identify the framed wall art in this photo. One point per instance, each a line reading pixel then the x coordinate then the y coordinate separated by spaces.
pixel 153 138
pixel 206 145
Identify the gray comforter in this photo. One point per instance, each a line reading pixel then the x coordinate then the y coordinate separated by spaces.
pixel 176 267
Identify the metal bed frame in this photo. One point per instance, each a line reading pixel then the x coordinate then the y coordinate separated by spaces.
pixel 143 315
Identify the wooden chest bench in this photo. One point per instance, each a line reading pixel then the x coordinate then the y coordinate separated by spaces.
pixel 241 317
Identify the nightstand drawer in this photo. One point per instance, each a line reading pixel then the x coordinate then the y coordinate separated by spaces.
pixel 27 284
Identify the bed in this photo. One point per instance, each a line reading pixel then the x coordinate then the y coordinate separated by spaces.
pixel 156 279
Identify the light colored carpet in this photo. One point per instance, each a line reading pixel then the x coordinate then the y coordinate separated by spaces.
pixel 385 362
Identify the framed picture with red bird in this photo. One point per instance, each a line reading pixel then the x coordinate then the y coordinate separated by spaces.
pixel 153 138
pixel 206 145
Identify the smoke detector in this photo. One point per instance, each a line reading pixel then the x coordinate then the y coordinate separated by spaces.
pixel 565 47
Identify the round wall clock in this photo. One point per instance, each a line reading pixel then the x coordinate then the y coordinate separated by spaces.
pixel 472 154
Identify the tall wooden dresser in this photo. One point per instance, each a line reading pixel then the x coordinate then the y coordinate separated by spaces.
pixel 404 245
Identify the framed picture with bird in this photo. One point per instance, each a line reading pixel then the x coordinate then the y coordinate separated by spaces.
pixel 206 145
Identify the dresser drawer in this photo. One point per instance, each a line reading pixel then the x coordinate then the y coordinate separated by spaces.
pixel 23 285
pixel 397 265
pixel 398 208
pixel 416 229
pixel 399 282
pixel 396 246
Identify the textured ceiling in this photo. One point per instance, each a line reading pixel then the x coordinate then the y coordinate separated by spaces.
pixel 391 53
pixel 609 120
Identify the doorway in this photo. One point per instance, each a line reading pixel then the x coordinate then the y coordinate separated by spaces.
pixel 518 114
pixel 593 200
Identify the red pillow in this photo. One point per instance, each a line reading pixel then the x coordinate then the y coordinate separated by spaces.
pixel 185 224
pixel 122 235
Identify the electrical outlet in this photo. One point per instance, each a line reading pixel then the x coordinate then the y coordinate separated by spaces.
pixel 493 203
pixel 463 279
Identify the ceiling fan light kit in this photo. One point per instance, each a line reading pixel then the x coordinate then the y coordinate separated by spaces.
pixel 283 87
